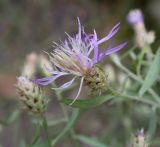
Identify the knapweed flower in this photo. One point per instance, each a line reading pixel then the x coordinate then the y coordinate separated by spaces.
pixel 31 95
pixel 78 56
pixel 139 139
pixel 136 19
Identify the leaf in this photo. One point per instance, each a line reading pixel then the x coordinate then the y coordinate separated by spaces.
pixel 41 143
pixel 10 118
pixel 13 116
pixel 152 74
pixel 88 103
pixel 90 141
pixel 67 127
pixel 152 124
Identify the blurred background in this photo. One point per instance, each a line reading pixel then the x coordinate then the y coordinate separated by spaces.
pixel 32 25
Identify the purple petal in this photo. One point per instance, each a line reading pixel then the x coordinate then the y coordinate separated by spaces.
pixel 84 35
pixel 96 49
pixel 79 91
pixel 43 81
pixel 115 49
pixel 79 29
pixel 65 85
pixel 51 71
pixel 102 55
pixel 111 50
pixel 47 80
pixel 111 34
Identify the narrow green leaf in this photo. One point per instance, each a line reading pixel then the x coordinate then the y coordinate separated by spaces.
pixel 90 141
pixel 10 118
pixel 36 135
pixel 13 116
pixel 152 124
pixel 152 74
pixel 67 127
pixel 88 103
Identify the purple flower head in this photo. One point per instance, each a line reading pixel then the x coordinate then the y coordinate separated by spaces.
pixel 135 16
pixel 77 56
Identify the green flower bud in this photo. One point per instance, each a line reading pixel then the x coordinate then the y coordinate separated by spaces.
pixel 31 95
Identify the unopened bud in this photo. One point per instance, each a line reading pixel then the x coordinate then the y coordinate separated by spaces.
pixel 31 95
pixel 142 37
pixel 30 64
pixel 139 139
pixel 135 17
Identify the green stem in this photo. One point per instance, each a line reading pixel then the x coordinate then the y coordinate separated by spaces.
pixel 45 126
pixel 140 59
pixel 68 126
pixel 36 135
pixel 138 79
pixel 136 98
pixel 59 96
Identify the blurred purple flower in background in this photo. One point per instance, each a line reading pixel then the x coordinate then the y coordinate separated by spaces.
pixel 77 56
pixel 135 17
pixel 142 37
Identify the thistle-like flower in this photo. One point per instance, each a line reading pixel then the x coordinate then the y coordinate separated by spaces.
pixel 78 56
pixel 31 95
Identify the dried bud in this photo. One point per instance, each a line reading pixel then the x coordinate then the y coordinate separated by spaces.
pixel 30 64
pixel 139 139
pixel 31 95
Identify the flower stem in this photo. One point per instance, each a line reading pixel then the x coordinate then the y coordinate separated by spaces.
pixel 140 59
pixel 37 134
pixel 45 126
pixel 59 96
pixel 136 98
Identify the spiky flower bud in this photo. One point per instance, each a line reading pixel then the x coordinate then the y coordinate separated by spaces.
pixel 139 139
pixel 31 95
